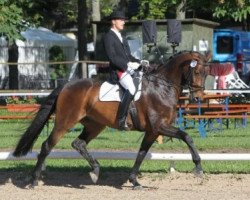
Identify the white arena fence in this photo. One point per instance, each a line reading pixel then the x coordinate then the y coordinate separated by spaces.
pixel 106 155
pixel 127 155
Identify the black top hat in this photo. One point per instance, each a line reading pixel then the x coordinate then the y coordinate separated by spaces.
pixel 117 14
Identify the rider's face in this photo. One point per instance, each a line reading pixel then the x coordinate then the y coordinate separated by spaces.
pixel 118 24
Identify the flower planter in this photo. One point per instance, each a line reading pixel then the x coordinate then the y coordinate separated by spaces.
pixel 23 107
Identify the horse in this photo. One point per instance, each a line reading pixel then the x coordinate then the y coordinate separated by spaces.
pixel 78 101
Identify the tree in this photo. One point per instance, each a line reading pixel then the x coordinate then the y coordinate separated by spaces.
pixel 238 10
pixel 52 14
pixel 181 10
pixel 60 13
pixel 13 68
pixel 10 26
pixel 82 22
pixel 96 16
pixel 107 6
pixel 56 54
pixel 10 20
pixel 152 9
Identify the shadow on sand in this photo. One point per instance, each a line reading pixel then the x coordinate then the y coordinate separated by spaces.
pixel 68 177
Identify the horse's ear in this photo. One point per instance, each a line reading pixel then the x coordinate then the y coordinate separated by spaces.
pixel 208 55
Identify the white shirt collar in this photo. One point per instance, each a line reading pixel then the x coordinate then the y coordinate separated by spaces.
pixel 119 35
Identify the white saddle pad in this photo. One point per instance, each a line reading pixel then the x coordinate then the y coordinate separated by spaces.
pixel 110 92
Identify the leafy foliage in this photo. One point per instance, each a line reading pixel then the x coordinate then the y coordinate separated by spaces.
pixel 21 100
pixel 51 14
pixel 107 7
pixel 56 55
pixel 153 9
pixel 10 20
pixel 238 10
pixel 16 14
pixel 58 14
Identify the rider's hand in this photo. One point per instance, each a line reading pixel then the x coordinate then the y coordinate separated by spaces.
pixel 144 63
pixel 133 65
pixel 130 71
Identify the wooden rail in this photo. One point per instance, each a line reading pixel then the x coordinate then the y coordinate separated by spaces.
pixel 16 109
pixel 221 106
pixel 216 116
pixel 226 112
pixel 205 112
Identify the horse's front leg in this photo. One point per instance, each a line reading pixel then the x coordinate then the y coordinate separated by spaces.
pixel 147 142
pixel 170 131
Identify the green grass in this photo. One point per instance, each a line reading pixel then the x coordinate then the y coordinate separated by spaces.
pixel 209 167
pixel 233 140
pixel 228 139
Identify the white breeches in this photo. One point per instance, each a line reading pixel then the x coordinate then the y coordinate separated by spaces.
pixel 127 83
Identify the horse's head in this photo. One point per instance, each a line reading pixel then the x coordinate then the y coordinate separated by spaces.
pixel 186 68
pixel 195 68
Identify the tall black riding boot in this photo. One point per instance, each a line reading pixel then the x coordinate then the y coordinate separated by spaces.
pixel 123 110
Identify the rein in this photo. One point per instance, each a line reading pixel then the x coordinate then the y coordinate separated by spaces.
pixel 192 88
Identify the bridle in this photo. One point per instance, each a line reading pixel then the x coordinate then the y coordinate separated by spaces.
pixel 187 82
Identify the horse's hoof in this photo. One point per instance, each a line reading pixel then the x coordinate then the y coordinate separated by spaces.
pixel 32 185
pixel 95 174
pixel 137 187
pixel 198 173
pixel 30 182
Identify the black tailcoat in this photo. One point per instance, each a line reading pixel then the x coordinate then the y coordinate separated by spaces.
pixel 118 54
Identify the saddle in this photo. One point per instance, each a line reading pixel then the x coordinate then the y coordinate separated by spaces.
pixel 114 92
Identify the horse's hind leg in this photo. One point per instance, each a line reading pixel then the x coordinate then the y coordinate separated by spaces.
pixel 46 148
pixel 173 132
pixel 90 131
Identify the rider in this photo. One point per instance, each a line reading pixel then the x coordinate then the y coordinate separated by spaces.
pixel 122 63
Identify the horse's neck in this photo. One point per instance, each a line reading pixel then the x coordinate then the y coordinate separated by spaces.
pixel 172 74
pixel 161 87
pixel 165 77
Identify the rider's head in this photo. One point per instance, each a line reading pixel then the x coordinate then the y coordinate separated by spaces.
pixel 118 20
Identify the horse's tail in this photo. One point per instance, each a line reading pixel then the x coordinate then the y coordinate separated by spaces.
pixel 27 140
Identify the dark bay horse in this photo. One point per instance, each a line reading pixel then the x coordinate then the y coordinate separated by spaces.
pixel 78 102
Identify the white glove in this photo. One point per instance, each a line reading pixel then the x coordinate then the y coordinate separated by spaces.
pixel 130 71
pixel 133 65
pixel 144 63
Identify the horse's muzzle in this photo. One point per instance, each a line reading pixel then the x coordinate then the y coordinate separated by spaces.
pixel 196 96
